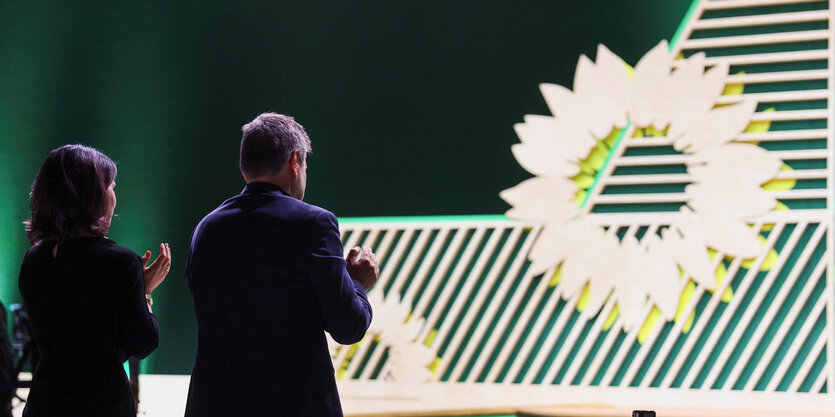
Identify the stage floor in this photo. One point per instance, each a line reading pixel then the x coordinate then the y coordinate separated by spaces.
pixel 165 396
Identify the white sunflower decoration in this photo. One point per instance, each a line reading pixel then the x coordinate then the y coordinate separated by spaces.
pixel 611 101
pixel 395 331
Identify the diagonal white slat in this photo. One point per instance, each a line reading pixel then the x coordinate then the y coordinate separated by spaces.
pixel 352 241
pixel 549 345
pixel 480 299
pixel 617 362
pixel 373 235
pixel 539 324
pixel 768 356
pixel 678 326
pixel 491 346
pixel 361 352
pixel 585 350
pixel 412 257
pixel 382 250
pixel 782 370
pixel 699 326
pixel 710 308
pixel 420 309
pixel 393 259
pixel 774 306
pixel 571 374
pixel 820 382
pixel 728 313
pixel 638 361
pixel 516 331
pixel 646 346
pixel 363 346
pixel 606 346
pixel 370 366
pixel 528 343
pixel 808 363
pixel 342 354
pixel 421 274
pixel 467 287
pixel 490 313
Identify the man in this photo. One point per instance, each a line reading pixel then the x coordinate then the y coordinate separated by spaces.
pixel 268 279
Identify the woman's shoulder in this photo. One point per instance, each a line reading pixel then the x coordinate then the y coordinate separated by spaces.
pixel 37 250
pixel 104 251
pixel 111 248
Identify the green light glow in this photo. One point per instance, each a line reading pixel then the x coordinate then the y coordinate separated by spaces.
pixel 420 219
pixel 680 31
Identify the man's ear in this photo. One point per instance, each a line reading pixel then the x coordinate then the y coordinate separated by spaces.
pixel 295 163
pixel 246 180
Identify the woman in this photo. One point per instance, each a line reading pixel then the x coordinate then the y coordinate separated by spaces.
pixel 88 298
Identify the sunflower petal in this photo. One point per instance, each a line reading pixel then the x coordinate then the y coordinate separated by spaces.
pixel 542 199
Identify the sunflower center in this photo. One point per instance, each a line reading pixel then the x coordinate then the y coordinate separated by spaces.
pixel 646 174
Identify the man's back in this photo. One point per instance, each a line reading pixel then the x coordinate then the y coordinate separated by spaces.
pixel 267 275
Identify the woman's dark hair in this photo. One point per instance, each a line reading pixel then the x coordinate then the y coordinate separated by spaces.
pixel 69 195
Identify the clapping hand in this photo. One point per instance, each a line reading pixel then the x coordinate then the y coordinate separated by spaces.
pixel 362 266
pixel 156 272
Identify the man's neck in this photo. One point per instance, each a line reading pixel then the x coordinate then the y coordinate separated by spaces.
pixel 279 180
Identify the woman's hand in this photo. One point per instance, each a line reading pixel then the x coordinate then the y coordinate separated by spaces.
pixel 156 272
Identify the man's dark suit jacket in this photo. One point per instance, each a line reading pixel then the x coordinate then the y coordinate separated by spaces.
pixel 268 278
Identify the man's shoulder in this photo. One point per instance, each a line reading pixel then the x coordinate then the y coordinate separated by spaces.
pixel 270 206
pixel 311 215
pixel 314 210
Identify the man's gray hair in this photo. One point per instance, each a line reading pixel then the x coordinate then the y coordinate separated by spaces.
pixel 267 143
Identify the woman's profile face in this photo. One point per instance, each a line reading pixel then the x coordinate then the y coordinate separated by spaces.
pixel 110 198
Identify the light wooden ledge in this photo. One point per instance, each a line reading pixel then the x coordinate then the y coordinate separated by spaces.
pixel 609 411
pixel 458 413
pixel 598 411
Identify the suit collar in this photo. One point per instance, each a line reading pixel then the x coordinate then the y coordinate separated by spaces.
pixel 262 188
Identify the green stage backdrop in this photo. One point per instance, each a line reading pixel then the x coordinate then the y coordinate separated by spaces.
pixel 410 105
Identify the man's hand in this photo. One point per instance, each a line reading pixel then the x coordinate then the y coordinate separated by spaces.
pixel 362 266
